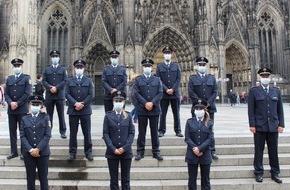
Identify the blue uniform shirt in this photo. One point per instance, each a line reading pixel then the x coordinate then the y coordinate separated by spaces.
pixel 55 77
pixel 18 90
pixel 79 91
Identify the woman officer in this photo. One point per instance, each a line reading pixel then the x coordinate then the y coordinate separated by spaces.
pixel 198 137
pixel 35 133
pixel 118 134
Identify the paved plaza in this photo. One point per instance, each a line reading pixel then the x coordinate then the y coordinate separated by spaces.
pixel 229 121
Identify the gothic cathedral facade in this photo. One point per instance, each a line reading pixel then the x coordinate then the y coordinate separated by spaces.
pixel 237 36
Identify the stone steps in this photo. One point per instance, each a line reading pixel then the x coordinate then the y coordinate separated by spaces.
pixel 233 170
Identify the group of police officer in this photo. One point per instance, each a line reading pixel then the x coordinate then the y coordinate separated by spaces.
pixel 153 95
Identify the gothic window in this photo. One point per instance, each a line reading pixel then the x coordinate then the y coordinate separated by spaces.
pixel 267 40
pixel 57 35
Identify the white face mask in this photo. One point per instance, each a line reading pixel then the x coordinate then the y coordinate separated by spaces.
pixel 167 57
pixel 35 109
pixel 265 80
pixel 114 61
pixel 79 72
pixel 118 106
pixel 199 113
pixel 147 70
pixel 17 70
pixel 201 69
pixel 55 60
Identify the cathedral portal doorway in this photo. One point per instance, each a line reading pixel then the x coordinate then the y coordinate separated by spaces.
pixel 97 59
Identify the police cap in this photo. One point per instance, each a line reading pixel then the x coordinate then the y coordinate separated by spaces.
pixel 200 103
pixel 54 53
pixel 201 60
pixel 114 53
pixel 79 63
pixel 167 50
pixel 147 62
pixel 264 71
pixel 36 99
pixel 17 61
pixel 119 95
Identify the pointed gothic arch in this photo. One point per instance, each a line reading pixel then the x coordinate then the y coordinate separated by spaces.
pixel 237 66
pixel 56 34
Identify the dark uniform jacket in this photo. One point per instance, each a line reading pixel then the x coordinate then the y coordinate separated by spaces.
pixel 148 90
pixel 18 91
pixel 114 78
pixel 205 88
pixel 265 110
pixel 55 77
pixel 35 134
pixel 170 77
pixel 199 136
pixel 82 91
pixel 118 133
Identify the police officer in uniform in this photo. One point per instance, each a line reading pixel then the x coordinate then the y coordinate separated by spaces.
pixel 170 75
pixel 17 91
pixel 118 134
pixel 198 137
pixel 203 85
pixel 79 94
pixel 266 120
pixel 148 90
pixel 114 78
pixel 35 133
pixel 54 81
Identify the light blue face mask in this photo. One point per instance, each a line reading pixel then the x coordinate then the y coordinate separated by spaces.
pixel 167 57
pixel 199 113
pixel 79 72
pixel 17 70
pixel 55 60
pixel 118 106
pixel 265 80
pixel 201 69
pixel 147 70
pixel 114 61
pixel 35 109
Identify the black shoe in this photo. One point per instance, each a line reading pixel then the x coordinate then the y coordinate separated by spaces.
pixel 21 157
pixel 90 158
pixel 13 155
pixel 179 134
pixel 71 157
pixel 276 178
pixel 214 156
pixel 158 156
pixel 259 178
pixel 139 156
pixel 160 134
pixel 63 136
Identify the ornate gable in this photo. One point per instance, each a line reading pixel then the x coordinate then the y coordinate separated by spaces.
pixel 22 43
pixel 262 2
pixel 99 31
pixel 233 31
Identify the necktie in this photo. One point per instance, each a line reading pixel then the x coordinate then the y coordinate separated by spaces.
pixel 16 77
pixel 266 90
pixel 34 118
pixel 199 122
pixel 202 76
pixel 118 116
pixel 79 79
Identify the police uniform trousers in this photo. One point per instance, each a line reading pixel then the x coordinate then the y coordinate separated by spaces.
pixel 49 103
pixel 192 176
pixel 41 163
pixel 108 105
pixel 142 127
pixel 272 144
pixel 14 119
pixel 175 106
pixel 85 121
pixel 125 173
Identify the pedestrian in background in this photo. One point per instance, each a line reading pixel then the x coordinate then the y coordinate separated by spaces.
pixel 38 88
pixel 2 98
pixel 132 98
pixel 35 133
pixel 17 91
pixel 198 137
pixel 266 121
pixel 118 134
pixel 54 81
